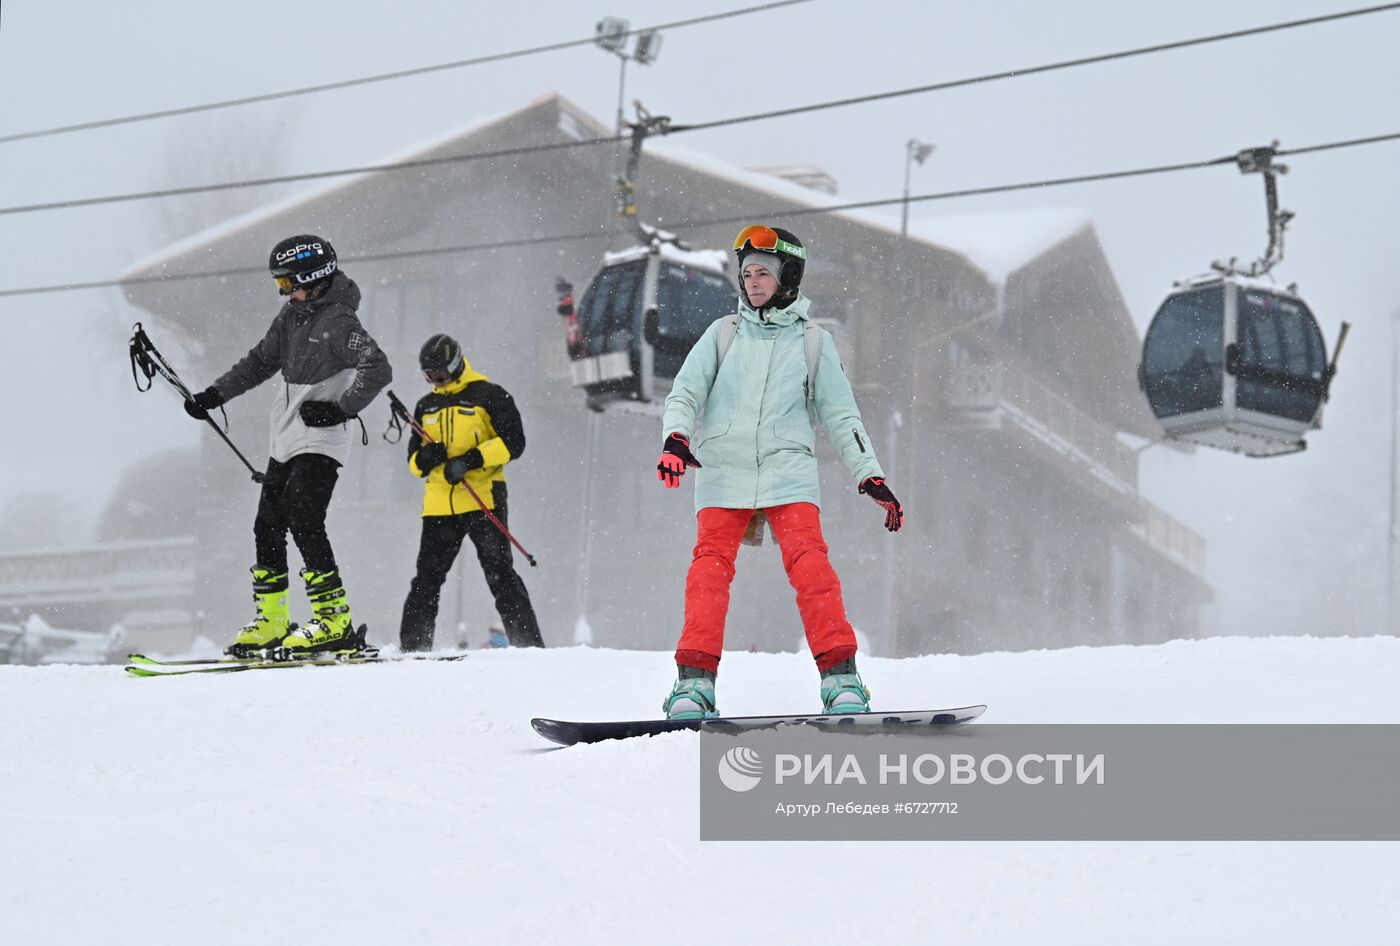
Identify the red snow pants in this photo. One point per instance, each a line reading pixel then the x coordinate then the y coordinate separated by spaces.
pixel 798 529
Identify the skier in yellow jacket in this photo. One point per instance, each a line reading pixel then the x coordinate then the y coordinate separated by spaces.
pixel 476 430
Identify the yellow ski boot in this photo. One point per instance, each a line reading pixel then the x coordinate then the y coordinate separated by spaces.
pixel 270 627
pixel 331 630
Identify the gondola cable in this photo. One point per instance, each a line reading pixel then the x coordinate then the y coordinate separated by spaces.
pixel 596 233
pixel 674 128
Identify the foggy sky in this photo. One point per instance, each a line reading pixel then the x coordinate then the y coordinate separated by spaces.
pixel 1294 544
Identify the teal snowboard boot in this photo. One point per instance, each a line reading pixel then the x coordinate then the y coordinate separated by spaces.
pixel 843 691
pixel 693 696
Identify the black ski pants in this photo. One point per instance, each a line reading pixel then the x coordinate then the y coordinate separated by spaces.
pixel 437 550
pixel 295 496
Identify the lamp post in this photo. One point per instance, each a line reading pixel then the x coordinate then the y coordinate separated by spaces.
pixel 890 613
pixel 914 150
pixel 1393 532
pixel 611 36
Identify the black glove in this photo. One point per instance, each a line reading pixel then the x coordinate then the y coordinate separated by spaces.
pixel 875 488
pixel 675 457
pixel 431 456
pixel 322 414
pixel 457 468
pixel 202 403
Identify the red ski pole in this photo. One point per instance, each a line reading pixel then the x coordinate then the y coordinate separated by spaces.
pixel 401 411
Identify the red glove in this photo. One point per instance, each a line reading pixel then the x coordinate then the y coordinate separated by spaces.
pixel 875 488
pixel 675 457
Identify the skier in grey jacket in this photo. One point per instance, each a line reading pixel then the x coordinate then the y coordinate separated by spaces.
pixel 331 370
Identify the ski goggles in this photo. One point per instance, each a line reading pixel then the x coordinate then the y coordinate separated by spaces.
pixel 285 285
pixel 759 237
pixel 437 377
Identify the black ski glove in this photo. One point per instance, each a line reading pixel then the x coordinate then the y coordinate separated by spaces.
pixel 457 468
pixel 430 456
pixel 202 403
pixel 322 414
pixel 675 457
pixel 875 488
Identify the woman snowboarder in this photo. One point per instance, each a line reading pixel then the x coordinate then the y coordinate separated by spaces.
pixel 755 382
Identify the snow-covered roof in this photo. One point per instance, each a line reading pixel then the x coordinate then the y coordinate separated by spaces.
pixel 1264 283
pixel 997 243
pixel 576 125
pixel 715 261
pixel 1001 242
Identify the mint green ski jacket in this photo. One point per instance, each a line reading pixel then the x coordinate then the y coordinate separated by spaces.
pixel 755 439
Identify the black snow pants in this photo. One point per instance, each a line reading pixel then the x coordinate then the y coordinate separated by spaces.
pixel 295 496
pixel 437 550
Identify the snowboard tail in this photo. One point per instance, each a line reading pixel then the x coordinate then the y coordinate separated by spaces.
pixel 567 733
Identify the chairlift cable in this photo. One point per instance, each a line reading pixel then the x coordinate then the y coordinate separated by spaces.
pixel 382 77
pixel 415 164
pixel 602 232
pixel 1332 145
pixel 1046 67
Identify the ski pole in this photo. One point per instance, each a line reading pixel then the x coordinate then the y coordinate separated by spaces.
pixel 400 411
pixel 150 363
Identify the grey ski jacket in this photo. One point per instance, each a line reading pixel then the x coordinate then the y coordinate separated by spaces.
pixel 324 354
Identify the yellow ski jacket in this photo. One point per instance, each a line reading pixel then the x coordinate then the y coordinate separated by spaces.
pixel 470 413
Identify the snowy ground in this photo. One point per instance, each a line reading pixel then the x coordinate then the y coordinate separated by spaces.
pixel 414 805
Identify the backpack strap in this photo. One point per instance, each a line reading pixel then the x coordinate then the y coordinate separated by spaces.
pixel 724 338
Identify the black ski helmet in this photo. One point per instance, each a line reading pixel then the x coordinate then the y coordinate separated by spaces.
pixel 299 262
pixel 441 359
pixel 788 248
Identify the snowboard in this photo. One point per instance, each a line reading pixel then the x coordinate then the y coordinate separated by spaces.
pixel 567 733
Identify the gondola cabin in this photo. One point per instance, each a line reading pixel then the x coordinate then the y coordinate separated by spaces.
pixel 640 316
pixel 1234 364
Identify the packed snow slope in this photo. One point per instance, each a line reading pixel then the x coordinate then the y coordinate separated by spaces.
pixel 414 804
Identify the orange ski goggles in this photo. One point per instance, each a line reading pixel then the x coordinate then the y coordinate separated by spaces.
pixel 759 237
pixel 285 285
